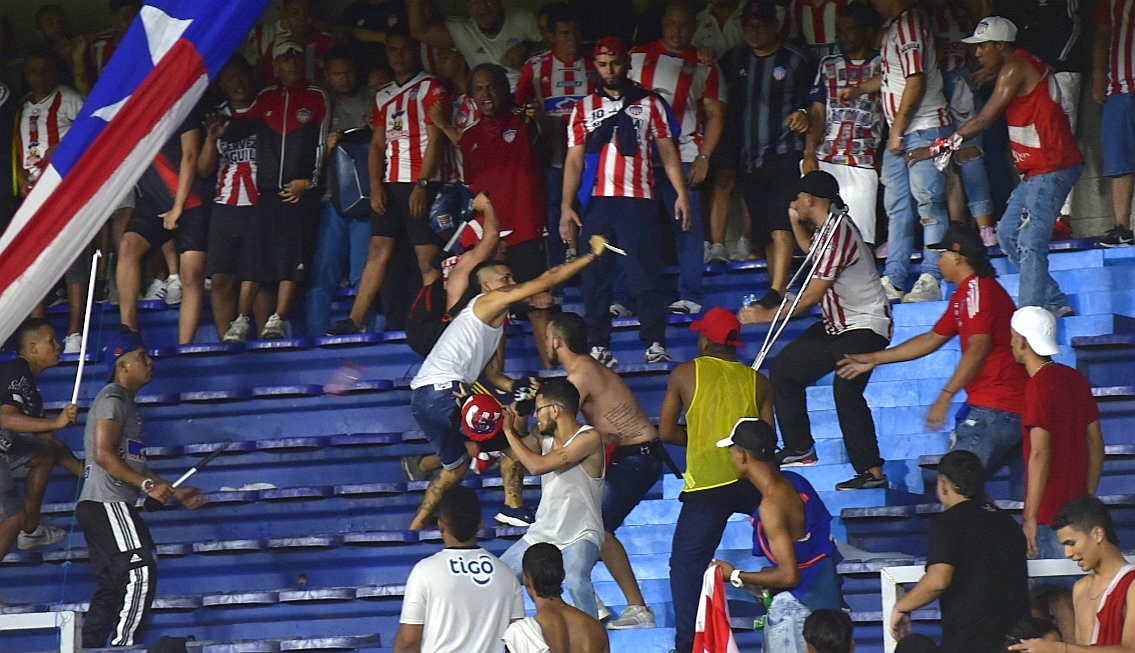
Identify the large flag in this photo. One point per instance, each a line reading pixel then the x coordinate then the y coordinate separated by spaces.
pixel 157 74
pixel 712 631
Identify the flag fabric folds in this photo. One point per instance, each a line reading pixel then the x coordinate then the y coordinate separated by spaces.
pixel 712 633
pixel 157 74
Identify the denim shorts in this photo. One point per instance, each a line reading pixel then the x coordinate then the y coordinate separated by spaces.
pixel 1119 125
pixel 433 407
pixel 634 469
pixel 993 435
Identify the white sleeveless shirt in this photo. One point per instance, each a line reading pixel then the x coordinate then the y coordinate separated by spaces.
pixel 571 502
pixel 462 351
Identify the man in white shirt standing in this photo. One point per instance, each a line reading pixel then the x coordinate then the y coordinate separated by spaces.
pixel 491 34
pixel 570 458
pixel 462 598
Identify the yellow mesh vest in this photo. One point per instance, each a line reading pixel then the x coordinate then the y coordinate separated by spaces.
pixel 725 392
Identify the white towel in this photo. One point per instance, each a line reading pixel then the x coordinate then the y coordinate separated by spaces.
pixel 525 636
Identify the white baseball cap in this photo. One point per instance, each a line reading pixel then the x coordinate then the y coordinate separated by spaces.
pixel 1038 327
pixel 994 28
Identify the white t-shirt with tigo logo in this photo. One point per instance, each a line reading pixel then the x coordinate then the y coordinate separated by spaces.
pixel 465 598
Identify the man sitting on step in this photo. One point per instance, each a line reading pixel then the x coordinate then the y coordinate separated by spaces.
pixel 792 528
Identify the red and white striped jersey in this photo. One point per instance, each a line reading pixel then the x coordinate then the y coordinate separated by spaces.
pixel 852 132
pixel 465 114
pixel 950 25
pixel 403 112
pixel 1118 17
pixel 908 49
pixel 557 85
pixel 259 41
pixel 43 124
pixel 100 50
pixel 618 175
pixel 430 64
pixel 855 299
pixel 813 22
pixel 236 165
pixel 683 82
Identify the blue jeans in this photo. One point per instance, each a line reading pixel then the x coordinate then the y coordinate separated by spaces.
pixel 630 476
pixel 340 246
pixel 433 407
pixel 784 632
pixel 579 559
pixel 972 172
pixel 632 224
pixel 919 185
pixel 1026 229
pixel 697 533
pixel 994 435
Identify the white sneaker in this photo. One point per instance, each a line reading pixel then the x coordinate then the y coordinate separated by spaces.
pixel 635 616
pixel 238 330
pixel 926 289
pixel 274 329
pixel 156 290
pixel 173 290
pixel 73 343
pixel 618 310
pixel 742 250
pixel 604 355
pixel 43 535
pixel 657 353
pixel 685 307
pixel 716 254
pixel 893 293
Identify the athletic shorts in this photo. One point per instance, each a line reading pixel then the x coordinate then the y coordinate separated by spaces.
pixel 768 190
pixel 228 229
pixel 191 235
pixel 280 239
pixel 727 154
pixel 14 464
pixel 1119 125
pixel 79 271
pixel 398 223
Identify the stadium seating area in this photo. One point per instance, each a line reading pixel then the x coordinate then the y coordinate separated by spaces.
pixel 303 545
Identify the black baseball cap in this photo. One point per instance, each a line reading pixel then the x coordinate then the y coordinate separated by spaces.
pixel 752 435
pixel 762 10
pixel 819 183
pixel 963 239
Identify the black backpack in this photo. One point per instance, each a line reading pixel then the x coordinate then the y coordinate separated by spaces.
pixel 427 318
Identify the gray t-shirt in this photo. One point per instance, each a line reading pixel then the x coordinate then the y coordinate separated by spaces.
pixel 113 402
pixel 353 111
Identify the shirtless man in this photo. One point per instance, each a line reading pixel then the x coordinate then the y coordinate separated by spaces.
pixel 1104 599
pixel 561 627
pixel 636 460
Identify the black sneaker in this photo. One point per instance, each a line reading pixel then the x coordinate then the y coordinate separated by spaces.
pixel 344 327
pixel 1117 236
pixel 771 300
pixel 864 481
pixel 791 458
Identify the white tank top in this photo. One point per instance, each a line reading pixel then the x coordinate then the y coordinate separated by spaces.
pixel 571 503
pixel 461 352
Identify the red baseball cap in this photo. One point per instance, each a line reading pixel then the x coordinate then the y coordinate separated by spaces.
pixel 482 418
pixel 720 326
pixel 610 45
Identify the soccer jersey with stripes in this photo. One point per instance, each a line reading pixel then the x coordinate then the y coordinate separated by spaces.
pixel 856 299
pixel 683 82
pixel 236 163
pixel 43 124
pixel 557 85
pixel 908 49
pixel 814 24
pixel 852 131
pixel 403 111
pixel 1118 17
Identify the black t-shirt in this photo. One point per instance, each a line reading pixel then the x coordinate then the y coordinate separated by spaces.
pixel 158 184
pixel 989 592
pixel 17 388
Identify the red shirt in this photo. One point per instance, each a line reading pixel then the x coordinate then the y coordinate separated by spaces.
pixel 1118 18
pixel 981 306
pixel 500 158
pixel 1040 135
pixel 1059 400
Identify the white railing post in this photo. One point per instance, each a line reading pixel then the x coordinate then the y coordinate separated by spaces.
pixel 69 624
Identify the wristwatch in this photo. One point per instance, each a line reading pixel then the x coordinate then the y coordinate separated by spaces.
pixel 148 486
pixel 423 182
pixel 735 578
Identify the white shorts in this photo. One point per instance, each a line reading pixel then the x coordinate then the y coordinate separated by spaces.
pixel 859 188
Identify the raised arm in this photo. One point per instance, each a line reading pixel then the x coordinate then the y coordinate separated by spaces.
pixel 430 32
pixel 493 305
pixel 581 446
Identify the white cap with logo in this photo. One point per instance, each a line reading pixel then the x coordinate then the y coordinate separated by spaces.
pixel 994 28
pixel 1038 327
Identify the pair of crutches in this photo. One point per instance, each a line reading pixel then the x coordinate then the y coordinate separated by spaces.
pixel 821 242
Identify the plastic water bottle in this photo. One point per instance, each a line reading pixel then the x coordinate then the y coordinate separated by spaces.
pixel 749 300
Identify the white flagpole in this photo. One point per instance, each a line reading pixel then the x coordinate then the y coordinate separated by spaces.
pixel 86 326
